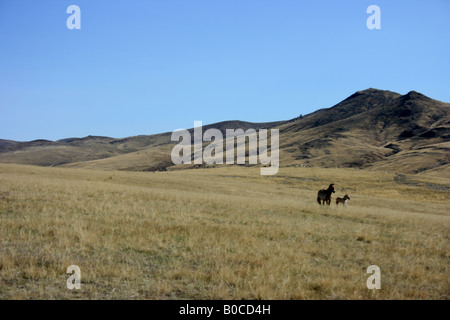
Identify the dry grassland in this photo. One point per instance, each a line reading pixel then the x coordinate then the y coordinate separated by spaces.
pixel 223 233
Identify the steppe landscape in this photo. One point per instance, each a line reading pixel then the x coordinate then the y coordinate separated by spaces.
pixel 140 227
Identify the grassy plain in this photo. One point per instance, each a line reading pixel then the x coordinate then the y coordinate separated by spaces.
pixel 221 233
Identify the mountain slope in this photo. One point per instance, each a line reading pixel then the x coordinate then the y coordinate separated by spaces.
pixel 91 148
pixel 371 129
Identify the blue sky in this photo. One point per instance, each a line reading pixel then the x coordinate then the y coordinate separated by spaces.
pixel 151 66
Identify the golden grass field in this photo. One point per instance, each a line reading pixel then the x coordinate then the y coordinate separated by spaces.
pixel 222 233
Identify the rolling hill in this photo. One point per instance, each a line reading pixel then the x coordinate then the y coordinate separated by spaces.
pixel 371 129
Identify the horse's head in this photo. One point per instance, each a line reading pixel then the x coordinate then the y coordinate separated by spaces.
pixel 331 187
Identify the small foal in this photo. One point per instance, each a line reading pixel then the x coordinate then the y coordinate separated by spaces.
pixel 342 200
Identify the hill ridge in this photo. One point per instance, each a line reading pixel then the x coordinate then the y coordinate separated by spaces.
pixel 372 129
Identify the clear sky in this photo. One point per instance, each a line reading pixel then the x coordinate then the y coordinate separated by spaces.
pixel 151 66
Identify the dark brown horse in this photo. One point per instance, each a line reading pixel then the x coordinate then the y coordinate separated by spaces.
pixel 325 195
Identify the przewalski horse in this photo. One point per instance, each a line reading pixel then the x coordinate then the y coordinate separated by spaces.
pixel 343 200
pixel 325 195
